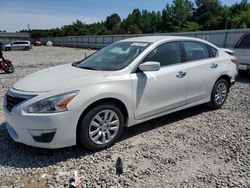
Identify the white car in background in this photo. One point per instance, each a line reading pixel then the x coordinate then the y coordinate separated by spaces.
pixel 242 52
pixel 126 83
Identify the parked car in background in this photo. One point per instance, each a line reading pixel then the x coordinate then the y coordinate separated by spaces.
pixel 2 44
pixel 17 45
pixel 242 52
pixel 126 83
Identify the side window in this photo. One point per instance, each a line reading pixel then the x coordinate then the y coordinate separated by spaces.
pixel 195 51
pixel 245 42
pixel 165 54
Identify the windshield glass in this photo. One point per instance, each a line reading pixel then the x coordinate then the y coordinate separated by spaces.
pixel 113 57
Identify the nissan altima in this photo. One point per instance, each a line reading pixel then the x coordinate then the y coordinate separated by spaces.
pixel 128 82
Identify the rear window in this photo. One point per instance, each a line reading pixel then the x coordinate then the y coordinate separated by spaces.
pixel 195 51
pixel 244 43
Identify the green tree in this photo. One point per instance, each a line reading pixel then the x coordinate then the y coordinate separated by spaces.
pixel 167 21
pixel 112 21
pixel 191 26
pixel 209 14
pixel 132 23
pixel 136 17
pixel 240 15
pixel 181 11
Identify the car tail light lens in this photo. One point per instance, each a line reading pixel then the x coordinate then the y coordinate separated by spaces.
pixel 236 62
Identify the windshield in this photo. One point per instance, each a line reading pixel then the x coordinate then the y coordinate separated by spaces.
pixel 113 57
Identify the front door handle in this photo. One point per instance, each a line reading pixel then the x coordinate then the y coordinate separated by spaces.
pixel 181 74
pixel 214 66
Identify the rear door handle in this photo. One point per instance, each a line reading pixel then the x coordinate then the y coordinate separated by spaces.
pixel 214 66
pixel 181 74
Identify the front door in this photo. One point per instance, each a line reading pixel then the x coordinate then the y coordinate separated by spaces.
pixel 156 92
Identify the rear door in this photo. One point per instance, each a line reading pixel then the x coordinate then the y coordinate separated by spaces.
pixel 202 69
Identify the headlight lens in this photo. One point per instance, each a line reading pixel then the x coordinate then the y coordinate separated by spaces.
pixel 53 104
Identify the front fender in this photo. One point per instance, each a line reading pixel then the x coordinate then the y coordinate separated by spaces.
pixel 121 91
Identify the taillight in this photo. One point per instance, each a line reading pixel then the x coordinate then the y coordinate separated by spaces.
pixel 236 62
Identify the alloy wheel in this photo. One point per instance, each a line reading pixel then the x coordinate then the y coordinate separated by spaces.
pixel 221 93
pixel 104 127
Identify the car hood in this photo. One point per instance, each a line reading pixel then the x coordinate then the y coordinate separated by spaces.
pixel 58 77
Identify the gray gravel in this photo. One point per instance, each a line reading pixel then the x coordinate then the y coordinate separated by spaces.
pixel 192 148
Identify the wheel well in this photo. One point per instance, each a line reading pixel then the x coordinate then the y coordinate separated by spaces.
pixel 227 78
pixel 117 102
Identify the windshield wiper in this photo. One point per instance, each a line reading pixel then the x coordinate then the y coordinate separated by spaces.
pixel 89 68
pixel 75 64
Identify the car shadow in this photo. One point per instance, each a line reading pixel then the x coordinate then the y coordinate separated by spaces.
pixel 2 73
pixel 21 156
pixel 244 78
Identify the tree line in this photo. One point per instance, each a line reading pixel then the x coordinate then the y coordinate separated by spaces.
pixel 179 16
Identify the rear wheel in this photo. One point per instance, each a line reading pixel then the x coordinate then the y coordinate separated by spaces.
pixel 7 49
pixel 219 94
pixel 26 48
pixel 101 126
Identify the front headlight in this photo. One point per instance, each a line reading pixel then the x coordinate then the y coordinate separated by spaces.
pixel 53 104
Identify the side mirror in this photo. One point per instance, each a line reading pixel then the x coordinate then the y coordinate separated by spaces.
pixel 150 66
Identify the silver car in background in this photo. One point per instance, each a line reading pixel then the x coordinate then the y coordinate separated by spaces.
pixel 17 45
pixel 242 52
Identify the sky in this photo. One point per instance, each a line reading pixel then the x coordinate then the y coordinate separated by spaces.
pixel 15 15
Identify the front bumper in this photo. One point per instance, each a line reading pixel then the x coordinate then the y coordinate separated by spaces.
pixel 43 130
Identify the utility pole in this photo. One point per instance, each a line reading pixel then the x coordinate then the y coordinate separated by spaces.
pixel 29 31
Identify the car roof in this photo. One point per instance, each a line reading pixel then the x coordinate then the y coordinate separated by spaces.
pixel 21 41
pixel 153 39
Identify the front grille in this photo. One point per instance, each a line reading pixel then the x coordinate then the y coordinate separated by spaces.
pixel 12 101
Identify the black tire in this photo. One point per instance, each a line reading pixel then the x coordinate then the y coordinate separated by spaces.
pixel 26 48
pixel 84 128
pixel 214 104
pixel 7 49
pixel 9 68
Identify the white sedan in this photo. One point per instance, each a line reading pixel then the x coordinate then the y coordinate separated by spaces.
pixel 128 82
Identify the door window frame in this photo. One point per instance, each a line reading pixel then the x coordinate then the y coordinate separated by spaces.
pixel 136 68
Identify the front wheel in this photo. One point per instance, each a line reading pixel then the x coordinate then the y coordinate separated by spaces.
pixel 219 94
pixel 101 126
pixel 8 67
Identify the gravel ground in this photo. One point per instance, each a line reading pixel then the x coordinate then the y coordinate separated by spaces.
pixel 191 148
